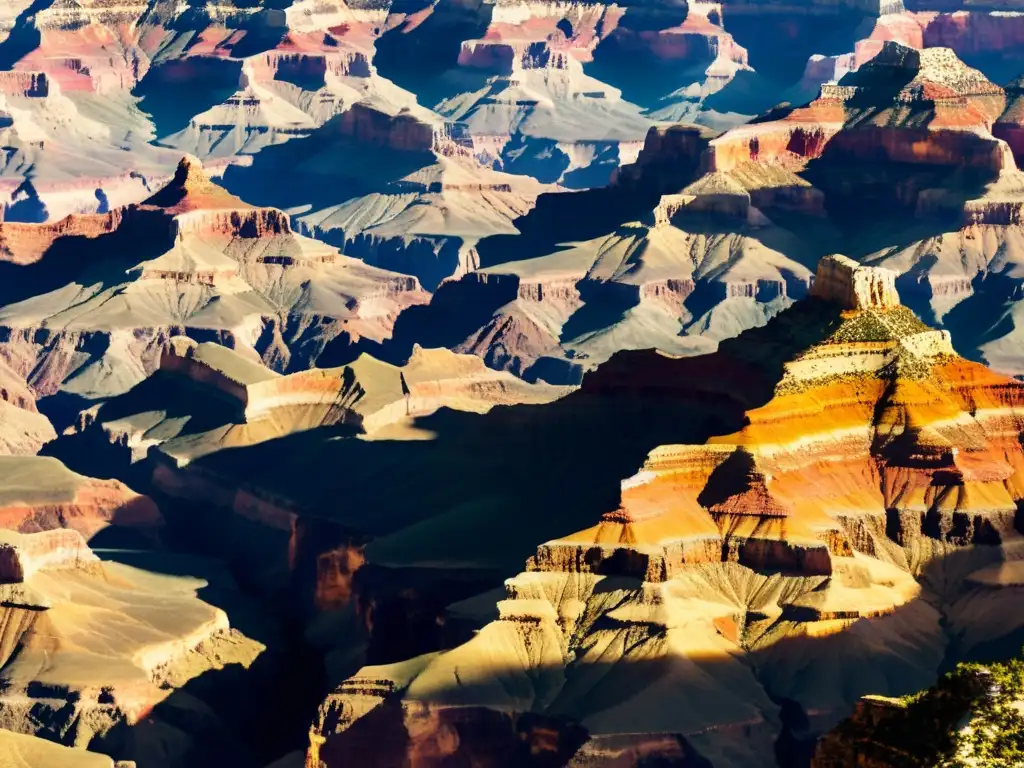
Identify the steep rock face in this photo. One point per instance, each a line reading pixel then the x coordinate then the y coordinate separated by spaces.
pixel 974 34
pixel 970 31
pixel 843 281
pixel 670 155
pixel 68 114
pixel 877 455
pixel 746 490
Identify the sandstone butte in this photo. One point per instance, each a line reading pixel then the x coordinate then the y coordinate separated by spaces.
pixel 90 300
pixel 840 543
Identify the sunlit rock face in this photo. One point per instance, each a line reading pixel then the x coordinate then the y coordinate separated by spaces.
pixel 814 542
pixel 841 280
pixel 40 494
pixel 96 653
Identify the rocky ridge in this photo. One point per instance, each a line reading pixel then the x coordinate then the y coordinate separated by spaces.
pixel 677 261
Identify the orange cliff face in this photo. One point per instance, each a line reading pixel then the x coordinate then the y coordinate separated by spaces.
pixel 794 543
pixel 878 430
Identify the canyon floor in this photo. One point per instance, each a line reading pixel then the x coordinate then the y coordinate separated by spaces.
pixel 436 384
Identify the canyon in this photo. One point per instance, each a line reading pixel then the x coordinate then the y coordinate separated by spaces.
pixel 512 383
pixel 866 506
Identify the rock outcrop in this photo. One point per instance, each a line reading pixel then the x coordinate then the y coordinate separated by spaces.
pixel 841 280
pixel 95 654
pixel 874 455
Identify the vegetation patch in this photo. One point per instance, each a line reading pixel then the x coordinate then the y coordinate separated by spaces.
pixel 972 718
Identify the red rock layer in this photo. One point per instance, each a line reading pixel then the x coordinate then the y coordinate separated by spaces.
pixel 877 430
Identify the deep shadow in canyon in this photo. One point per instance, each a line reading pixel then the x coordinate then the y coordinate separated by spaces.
pixel 399 530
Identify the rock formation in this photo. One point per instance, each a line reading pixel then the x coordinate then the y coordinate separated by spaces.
pixel 699 263
pixel 95 652
pixel 841 280
pixel 24 430
pixel 191 258
pixel 398 188
pixel 904 108
pixel 441 289
pixel 40 494
pixel 878 460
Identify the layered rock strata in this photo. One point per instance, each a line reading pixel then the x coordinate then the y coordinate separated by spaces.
pixel 95 654
pixel 878 461
pixel 700 262
pixel 40 494
pixel 922 112
pixel 192 258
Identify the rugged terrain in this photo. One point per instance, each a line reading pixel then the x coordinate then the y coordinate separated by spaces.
pixel 92 299
pixel 438 383
pixel 844 541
